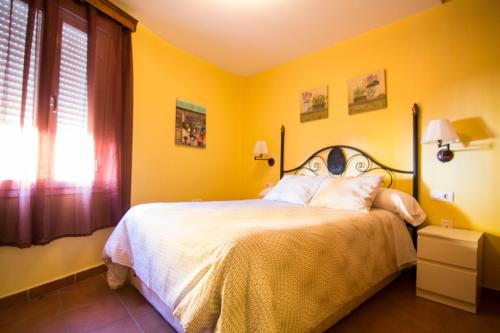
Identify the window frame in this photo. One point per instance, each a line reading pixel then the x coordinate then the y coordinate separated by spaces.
pixel 54 15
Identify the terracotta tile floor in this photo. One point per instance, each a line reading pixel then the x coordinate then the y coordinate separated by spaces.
pixel 89 306
pixel 397 309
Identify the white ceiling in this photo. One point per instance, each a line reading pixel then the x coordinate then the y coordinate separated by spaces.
pixel 248 36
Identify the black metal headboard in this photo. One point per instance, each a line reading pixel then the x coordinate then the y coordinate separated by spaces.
pixel 342 160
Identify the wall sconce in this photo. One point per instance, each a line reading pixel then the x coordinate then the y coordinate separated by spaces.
pixel 441 132
pixel 260 150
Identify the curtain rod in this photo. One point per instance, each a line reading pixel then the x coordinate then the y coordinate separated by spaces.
pixel 115 13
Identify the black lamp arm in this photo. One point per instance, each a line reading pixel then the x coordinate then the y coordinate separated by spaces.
pixel 445 146
pixel 270 160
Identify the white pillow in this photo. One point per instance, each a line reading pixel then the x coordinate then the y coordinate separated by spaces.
pixel 400 203
pixel 295 189
pixel 347 193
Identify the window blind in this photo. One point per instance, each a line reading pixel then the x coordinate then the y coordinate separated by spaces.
pixel 72 165
pixel 18 137
pixel 72 111
pixel 13 34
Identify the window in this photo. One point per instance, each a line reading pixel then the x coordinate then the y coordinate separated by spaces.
pixel 65 103
pixel 73 159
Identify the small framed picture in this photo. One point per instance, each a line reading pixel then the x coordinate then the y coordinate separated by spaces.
pixel 190 124
pixel 367 92
pixel 314 104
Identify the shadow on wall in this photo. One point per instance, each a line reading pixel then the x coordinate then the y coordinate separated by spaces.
pixel 474 134
pixel 491 243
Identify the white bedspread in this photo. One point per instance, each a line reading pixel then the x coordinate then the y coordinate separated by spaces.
pixel 255 265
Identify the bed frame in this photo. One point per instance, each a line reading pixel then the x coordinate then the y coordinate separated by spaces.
pixel 342 160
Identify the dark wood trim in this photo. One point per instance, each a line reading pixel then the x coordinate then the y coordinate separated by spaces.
pixel 491 291
pixel 282 152
pixel 79 276
pixel 13 299
pixel 115 13
pixel 416 163
pixel 416 155
pixel 49 287
pixel 43 289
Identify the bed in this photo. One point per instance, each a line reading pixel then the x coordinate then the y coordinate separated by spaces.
pixel 263 266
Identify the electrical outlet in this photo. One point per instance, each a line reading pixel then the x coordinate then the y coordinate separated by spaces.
pixel 447 223
pixel 447 196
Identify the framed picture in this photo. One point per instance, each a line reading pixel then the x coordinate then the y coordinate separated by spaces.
pixel 314 104
pixel 190 124
pixel 367 92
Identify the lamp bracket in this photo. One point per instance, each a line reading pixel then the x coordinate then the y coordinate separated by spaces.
pixel 445 154
pixel 270 161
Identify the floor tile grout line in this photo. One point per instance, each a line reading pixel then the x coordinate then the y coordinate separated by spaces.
pixel 60 310
pixel 106 324
pixel 89 305
pixel 125 306
pixel 66 324
pixel 92 329
pixel 130 314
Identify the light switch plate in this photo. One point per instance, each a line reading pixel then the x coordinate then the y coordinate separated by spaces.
pixel 447 196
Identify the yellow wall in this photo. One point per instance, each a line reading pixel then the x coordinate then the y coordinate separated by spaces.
pixel 161 171
pixel 25 268
pixel 448 60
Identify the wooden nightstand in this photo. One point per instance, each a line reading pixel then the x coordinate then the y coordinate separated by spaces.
pixel 449 264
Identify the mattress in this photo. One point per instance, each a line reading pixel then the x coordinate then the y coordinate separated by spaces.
pixel 255 265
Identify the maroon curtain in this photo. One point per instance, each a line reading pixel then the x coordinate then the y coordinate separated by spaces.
pixel 65 120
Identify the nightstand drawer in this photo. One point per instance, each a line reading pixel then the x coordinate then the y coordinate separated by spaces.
pixel 446 251
pixel 450 281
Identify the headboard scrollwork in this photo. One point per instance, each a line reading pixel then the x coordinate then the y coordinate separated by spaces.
pixel 345 161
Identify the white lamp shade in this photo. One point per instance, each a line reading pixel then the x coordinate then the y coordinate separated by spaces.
pixel 260 148
pixel 440 129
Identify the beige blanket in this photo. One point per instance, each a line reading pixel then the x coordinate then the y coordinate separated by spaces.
pixel 257 266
